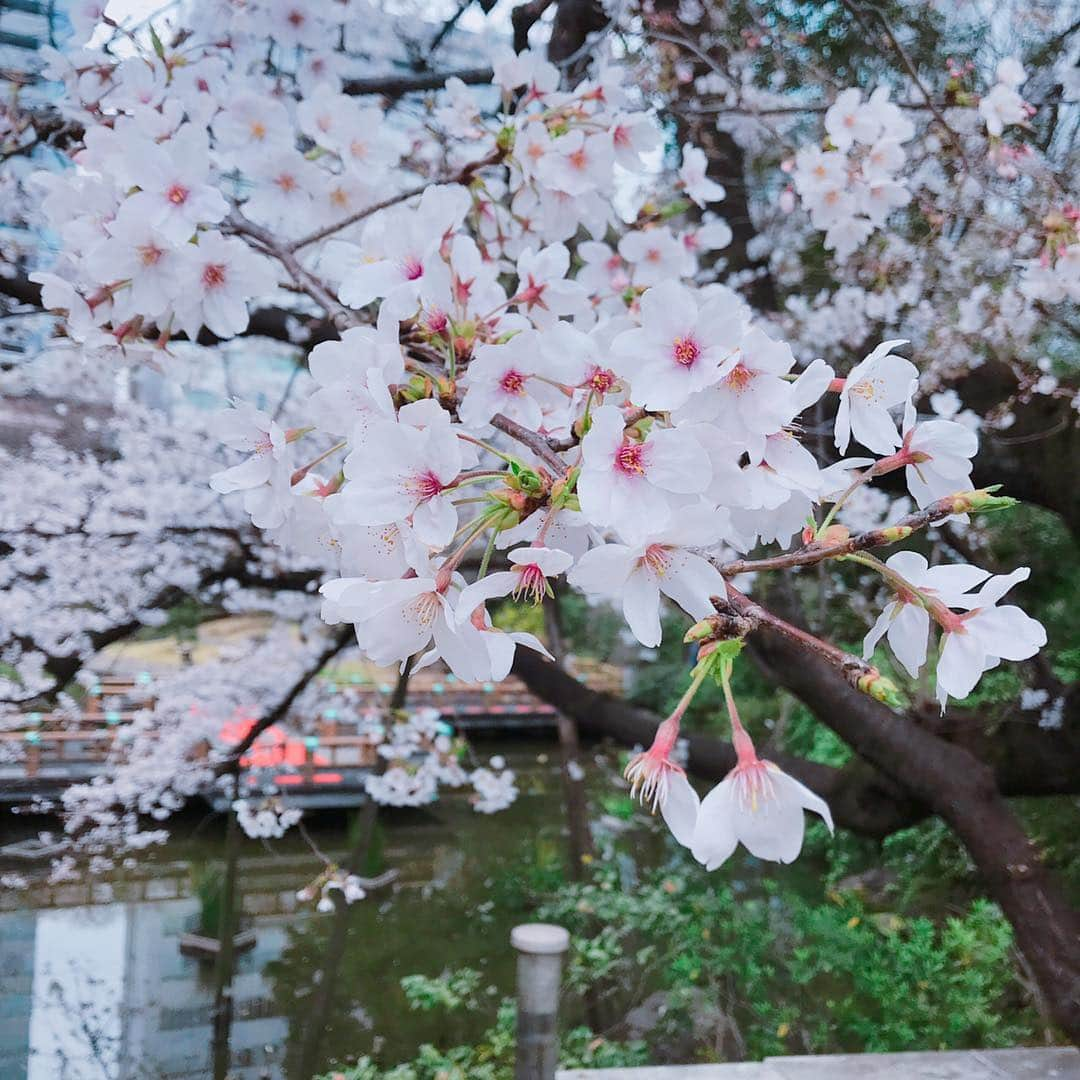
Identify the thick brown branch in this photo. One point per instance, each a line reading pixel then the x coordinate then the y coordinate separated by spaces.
pixel 963 791
pixel 393 86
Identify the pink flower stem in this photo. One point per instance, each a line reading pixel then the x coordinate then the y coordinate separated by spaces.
pixel 885 465
pixel 744 746
pixel 940 612
pixel 300 473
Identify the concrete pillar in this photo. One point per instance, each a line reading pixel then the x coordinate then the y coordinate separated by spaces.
pixel 540 948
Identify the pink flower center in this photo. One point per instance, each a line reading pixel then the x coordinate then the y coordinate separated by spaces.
pixel 149 254
pixel 513 382
pixel 652 255
pixel 684 351
pixel 630 459
pixel 753 785
pixel 424 609
pixel 531 584
pixel 579 159
pixel 657 559
pixel 287 182
pixel 739 377
pixel 425 485
pixel 213 275
pixel 602 380
pixel 649 772
pixel 177 194
pixel 532 294
pixel 412 268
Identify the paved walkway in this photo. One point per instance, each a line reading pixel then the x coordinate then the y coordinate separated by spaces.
pixel 1042 1063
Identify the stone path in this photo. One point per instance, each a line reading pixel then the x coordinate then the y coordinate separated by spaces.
pixel 1041 1063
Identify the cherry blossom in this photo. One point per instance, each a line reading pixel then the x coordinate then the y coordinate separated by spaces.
pixel 174 195
pixel 940 452
pixel 399 252
pixel 757 805
pixel 528 577
pixel 625 479
pixel 400 472
pixel 662 562
pixel 218 276
pixel 984 636
pixel 681 346
pixel 878 383
pixel 694 179
pixel 905 620
pixel 508 360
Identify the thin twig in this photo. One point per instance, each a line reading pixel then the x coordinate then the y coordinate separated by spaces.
pixel 814 553
pixel 341 316
pixel 463 176
pixel 906 60
pixel 537 443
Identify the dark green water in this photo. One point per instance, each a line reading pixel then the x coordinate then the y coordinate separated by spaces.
pixel 93 986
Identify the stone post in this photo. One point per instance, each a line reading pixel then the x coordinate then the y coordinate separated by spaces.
pixel 540 948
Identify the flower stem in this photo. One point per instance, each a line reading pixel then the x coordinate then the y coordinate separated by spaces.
pixel 938 611
pixel 485 446
pixel 700 672
pixel 744 746
pixel 487 555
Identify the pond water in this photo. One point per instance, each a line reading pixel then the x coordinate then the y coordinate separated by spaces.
pixel 93 985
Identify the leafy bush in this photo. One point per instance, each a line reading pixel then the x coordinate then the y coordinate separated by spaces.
pixel 492 1057
pixel 792 976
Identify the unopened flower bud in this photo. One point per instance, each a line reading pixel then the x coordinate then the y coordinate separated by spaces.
pixel 983 500
pixel 892 534
pixel 834 534
pixel 880 688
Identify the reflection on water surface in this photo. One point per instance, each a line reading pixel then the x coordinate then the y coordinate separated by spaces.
pixel 93 985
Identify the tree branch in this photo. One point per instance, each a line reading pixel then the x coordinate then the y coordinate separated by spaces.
pixel 393 86
pixel 340 639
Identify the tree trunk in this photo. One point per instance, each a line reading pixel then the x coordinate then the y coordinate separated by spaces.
pixel 922 772
pixel 962 790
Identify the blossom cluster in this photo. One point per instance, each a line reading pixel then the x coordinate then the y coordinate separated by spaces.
pixel 267 819
pixel 527 386
pixel 852 185
pixel 420 758
pixel 332 881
